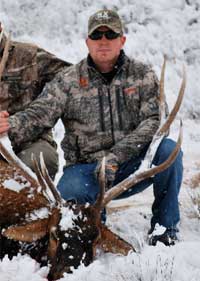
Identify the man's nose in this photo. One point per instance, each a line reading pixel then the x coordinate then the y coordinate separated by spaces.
pixel 104 39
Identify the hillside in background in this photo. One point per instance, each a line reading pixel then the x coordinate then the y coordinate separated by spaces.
pixel 153 28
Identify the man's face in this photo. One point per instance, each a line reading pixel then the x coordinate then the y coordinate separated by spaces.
pixel 105 50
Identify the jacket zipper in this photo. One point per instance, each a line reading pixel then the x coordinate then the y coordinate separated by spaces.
pixel 111 116
pixel 101 113
pixel 117 94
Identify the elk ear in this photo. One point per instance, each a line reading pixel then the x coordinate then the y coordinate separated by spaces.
pixel 53 242
pixel 29 232
pixel 53 238
pixel 111 242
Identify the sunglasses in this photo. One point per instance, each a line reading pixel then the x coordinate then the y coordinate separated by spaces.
pixel 109 34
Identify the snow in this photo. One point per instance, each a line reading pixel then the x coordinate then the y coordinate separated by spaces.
pixel 68 218
pixel 159 229
pixel 39 214
pixel 22 268
pixel 13 185
pixel 153 28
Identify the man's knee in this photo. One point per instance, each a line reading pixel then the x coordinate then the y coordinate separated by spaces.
pixel 71 188
pixel 49 153
pixel 78 182
pixel 165 149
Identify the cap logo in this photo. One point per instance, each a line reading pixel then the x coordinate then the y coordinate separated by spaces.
pixel 103 15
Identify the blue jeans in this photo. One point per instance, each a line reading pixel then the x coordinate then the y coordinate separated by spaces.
pixel 79 183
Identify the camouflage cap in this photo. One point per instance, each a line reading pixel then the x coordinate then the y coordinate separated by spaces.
pixel 107 18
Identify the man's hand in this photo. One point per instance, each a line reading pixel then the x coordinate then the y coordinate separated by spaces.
pixel 4 124
pixel 111 168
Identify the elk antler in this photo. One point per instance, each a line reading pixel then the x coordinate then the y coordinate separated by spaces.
pixel 18 187
pixel 42 180
pixel 45 181
pixel 14 161
pixel 144 171
pixel 5 56
pixel 141 175
pixel 165 127
pixel 101 179
pixel 162 93
pixel 164 123
pixel 49 181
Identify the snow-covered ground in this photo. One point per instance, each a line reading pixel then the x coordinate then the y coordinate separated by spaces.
pixel 153 28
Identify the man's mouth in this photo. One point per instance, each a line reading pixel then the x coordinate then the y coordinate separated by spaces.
pixel 104 50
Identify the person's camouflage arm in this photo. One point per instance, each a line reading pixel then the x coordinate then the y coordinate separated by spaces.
pixel 48 66
pixel 133 144
pixel 40 116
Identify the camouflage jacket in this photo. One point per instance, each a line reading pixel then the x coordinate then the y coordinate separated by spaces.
pixel 120 117
pixel 27 70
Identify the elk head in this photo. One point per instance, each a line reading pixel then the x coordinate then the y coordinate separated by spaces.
pixel 68 230
pixel 75 231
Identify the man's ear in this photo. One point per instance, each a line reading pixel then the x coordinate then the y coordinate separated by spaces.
pixel 86 41
pixel 123 40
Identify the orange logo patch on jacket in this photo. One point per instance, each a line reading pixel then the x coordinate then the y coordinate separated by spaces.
pixel 83 82
pixel 130 90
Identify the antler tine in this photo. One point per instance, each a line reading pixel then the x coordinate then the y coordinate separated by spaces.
pixel 5 56
pixel 165 127
pixel 40 178
pixel 49 181
pixel 141 175
pixel 162 92
pixel 11 157
pixel 164 123
pixel 102 184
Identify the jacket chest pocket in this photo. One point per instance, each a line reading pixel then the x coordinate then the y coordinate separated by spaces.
pixel 20 89
pixel 131 97
pixel 15 81
pixel 22 76
pixel 83 106
pixel 127 103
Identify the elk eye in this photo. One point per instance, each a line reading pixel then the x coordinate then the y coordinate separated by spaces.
pixel 53 234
